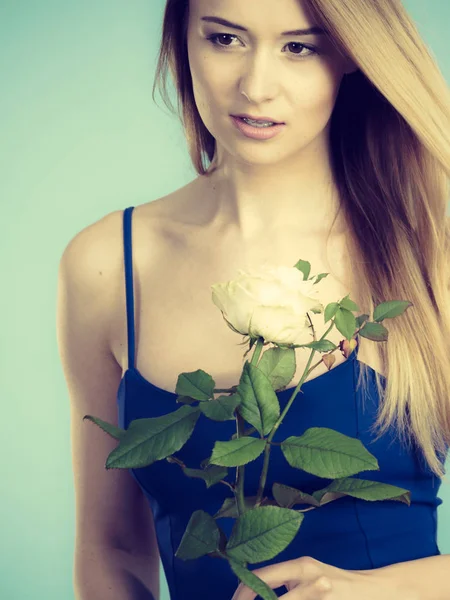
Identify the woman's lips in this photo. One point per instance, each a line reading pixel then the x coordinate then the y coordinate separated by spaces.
pixel 257 133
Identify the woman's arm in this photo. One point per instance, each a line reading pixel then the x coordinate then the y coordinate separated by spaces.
pixel 116 549
pixel 109 574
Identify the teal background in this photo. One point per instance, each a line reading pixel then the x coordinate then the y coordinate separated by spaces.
pixel 81 137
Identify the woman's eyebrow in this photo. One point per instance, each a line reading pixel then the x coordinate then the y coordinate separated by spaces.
pixel 310 31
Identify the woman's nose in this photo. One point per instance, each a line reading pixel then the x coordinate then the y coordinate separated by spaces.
pixel 260 79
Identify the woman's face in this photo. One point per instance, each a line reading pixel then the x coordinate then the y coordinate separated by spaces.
pixel 293 79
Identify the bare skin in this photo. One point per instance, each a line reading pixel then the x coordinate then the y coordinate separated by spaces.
pixel 176 258
pixel 269 202
pixel 266 203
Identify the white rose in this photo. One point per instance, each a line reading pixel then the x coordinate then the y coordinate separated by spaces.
pixel 270 302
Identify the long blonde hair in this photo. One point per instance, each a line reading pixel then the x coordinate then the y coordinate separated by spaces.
pixel 390 145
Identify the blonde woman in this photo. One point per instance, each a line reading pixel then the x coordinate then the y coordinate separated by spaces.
pixel 319 130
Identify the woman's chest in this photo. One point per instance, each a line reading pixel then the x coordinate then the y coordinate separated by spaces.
pixel 179 329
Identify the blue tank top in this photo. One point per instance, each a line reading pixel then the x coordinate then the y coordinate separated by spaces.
pixel 348 533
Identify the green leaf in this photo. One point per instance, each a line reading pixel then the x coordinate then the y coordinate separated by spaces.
pixel 211 475
pixel 186 400
pixel 362 489
pixel 222 408
pixel 196 384
pixel 149 440
pixel 223 540
pixel 320 277
pixel 287 496
pixel 390 309
pixel 374 331
pixel 278 365
pixel 252 581
pixel 348 304
pixel 236 453
pixel 345 322
pixel 330 310
pixel 320 345
pixel 305 267
pixel 259 403
pixel 360 320
pixel 229 508
pixel 116 432
pixel 262 533
pixel 201 537
pixel 327 453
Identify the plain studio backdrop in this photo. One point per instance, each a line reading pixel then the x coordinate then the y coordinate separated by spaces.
pixel 80 137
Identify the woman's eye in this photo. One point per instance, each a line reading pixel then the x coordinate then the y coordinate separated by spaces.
pixel 297 49
pixel 301 47
pixel 214 38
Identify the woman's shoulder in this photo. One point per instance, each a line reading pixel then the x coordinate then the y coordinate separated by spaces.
pixel 102 240
pixel 98 249
pixel 160 213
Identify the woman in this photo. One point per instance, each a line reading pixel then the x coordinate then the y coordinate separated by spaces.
pixel 351 163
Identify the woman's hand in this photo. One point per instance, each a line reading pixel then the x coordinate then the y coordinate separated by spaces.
pixel 309 579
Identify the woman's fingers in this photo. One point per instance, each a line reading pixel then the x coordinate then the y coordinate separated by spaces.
pixel 314 590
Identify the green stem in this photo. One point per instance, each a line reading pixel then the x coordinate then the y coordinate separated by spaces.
pixel 239 489
pixel 262 481
pixel 173 459
pixel 240 471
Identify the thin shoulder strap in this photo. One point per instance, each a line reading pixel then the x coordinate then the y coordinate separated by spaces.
pixel 128 261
